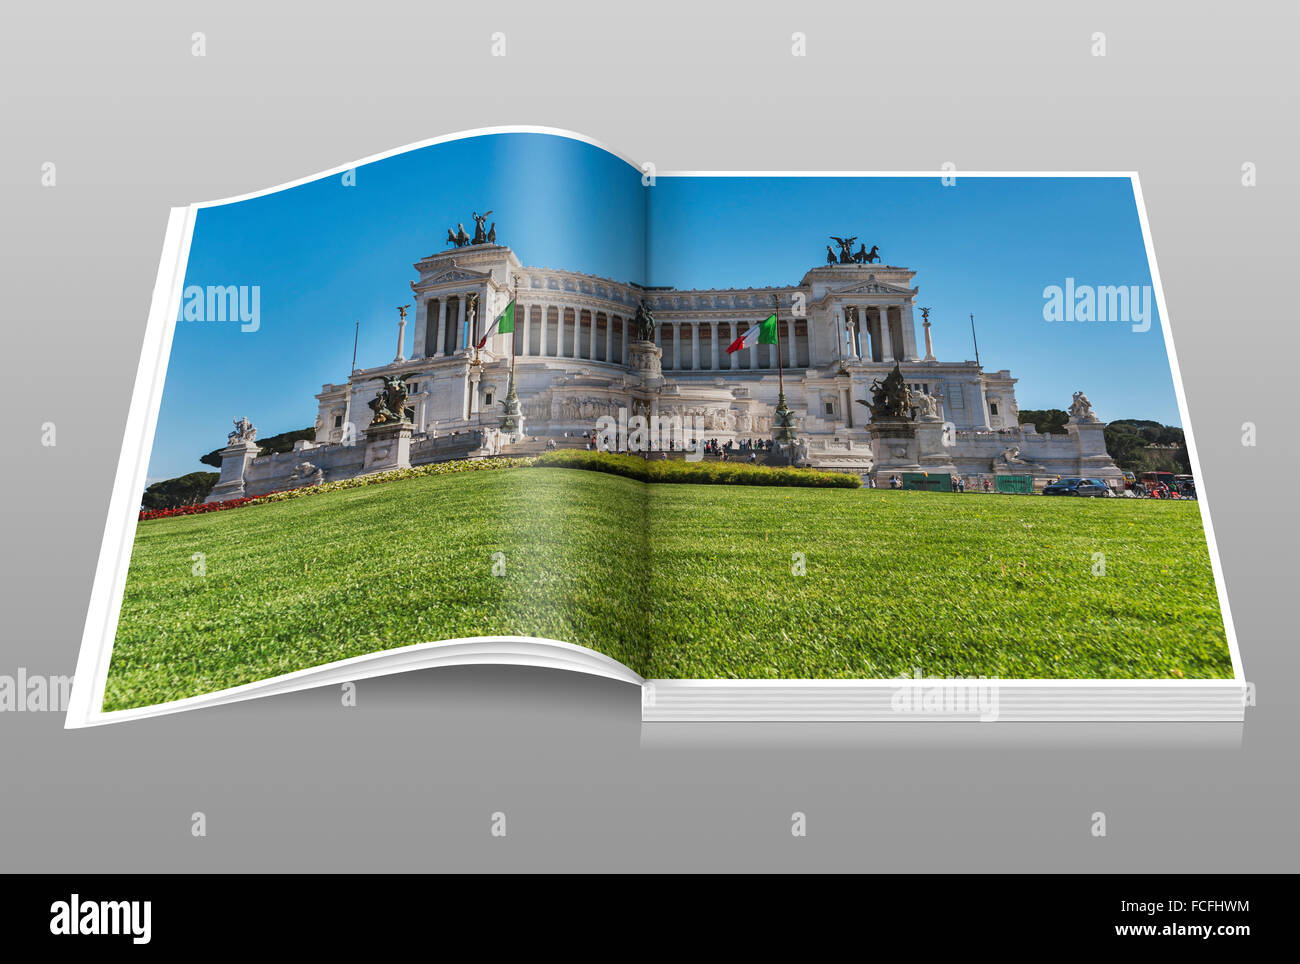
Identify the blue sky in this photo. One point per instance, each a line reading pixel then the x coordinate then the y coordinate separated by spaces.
pixel 326 255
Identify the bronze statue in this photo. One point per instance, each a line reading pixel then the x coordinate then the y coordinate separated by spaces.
pixel 458 237
pixel 389 403
pixel 830 255
pixel 846 248
pixel 480 235
pixel 645 321
pixel 890 398
pixel 872 255
pixel 492 234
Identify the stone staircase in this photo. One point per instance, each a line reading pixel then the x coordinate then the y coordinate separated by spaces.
pixel 536 446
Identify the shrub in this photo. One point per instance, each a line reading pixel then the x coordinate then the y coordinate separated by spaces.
pixel 700 473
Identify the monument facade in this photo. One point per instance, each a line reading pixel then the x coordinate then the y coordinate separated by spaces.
pixel 586 347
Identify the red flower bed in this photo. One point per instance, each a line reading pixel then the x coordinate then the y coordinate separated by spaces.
pixel 196 509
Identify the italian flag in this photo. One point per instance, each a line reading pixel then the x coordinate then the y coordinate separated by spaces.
pixel 504 324
pixel 764 333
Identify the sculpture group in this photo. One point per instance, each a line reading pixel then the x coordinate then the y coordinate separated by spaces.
pixel 890 398
pixel 389 403
pixel 459 238
pixel 848 255
pixel 244 431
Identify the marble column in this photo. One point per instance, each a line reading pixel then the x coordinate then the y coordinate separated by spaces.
pixel 886 344
pixel 713 343
pixel 591 350
pixel 458 339
pixel 791 355
pixel 695 346
pixel 908 325
pixel 440 346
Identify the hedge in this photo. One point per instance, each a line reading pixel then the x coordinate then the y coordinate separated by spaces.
pixel 699 473
pixel 356 482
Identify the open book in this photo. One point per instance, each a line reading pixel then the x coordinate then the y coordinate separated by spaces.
pixel 767 446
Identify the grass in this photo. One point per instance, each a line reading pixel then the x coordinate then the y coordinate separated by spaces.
pixel 951 585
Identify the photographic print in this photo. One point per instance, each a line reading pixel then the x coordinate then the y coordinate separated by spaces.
pixel 767 445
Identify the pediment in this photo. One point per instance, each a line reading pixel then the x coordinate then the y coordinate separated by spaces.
pixel 455 273
pixel 873 286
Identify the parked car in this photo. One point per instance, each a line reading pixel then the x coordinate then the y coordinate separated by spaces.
pixel 1083 487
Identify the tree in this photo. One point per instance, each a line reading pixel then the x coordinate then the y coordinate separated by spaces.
pixel 173 493
pixel 1045 420
pixel 1139 445
pixel 272 445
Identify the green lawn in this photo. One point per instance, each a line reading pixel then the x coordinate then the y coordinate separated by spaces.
pixel 895 581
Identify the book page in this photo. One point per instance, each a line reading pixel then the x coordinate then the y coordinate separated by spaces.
pixel 969 385
pixel 365 375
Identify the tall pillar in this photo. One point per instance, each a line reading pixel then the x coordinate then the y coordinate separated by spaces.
pixel 695 346
pixel 440 346
pixel 591 351
pixel 791 354
pixel 886 343
pixel 528 327
pixel 609 338
pixel 401 340
pixel 421 337
pixel 713 343
pixel 458 335
pixel 909 332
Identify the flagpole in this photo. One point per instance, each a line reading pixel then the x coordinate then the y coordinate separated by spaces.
pixel 512 418
pixel 780 372
pixel 347 404
pixel 784 417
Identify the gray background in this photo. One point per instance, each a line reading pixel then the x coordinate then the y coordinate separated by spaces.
pixel 407 779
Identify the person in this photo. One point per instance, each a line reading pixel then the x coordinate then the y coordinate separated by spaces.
pixel 550 443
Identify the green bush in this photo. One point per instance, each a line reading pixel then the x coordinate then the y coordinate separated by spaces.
pixel 700 473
